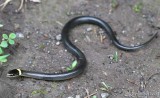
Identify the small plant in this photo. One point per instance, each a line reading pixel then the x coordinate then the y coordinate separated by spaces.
pixel 138 7
pixel 6 41
pixel 115 57
pixel 105 87
pixel 114 3
pixel 41 91
pixel 94 96
pixel 72 66
pixel 3 58
pixel 54 85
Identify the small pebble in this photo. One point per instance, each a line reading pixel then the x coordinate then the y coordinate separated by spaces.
pixel 123 32
pixel 79 13
pixel 37 32
pixel 1 25
pixel 48 89
pixel 138 43
pixel 104 95
pixel 75 40
pixel 28 37
pixel 72 13
pixel 139 24
pixel 19 35
pixel 16 26
pixel 41 32
pixel 97 5
pixel 58 37
pixel 78 96
pixel 110 62
pixel 58 43
pixel 36 1
pixel 30 62
pixel 89 29
pixel 70 97
pixel 35 45
pixel 47 43
pixel 142 37
pixel 101 32
pixel 110 57
pixel 144 16
pixel 132 45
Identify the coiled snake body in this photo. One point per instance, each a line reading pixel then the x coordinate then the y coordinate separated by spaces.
pixel 75 51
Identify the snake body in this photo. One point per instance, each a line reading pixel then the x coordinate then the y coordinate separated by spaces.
pixel 80 57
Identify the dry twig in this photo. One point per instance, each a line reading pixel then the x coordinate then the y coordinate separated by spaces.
pixel 21 5
pixel 3 5
pixel 89 95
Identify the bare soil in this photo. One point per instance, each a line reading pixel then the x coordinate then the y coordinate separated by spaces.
pixel 41 23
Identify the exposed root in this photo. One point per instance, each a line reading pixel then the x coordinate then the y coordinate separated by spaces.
pixel 21 5
pixel 3 5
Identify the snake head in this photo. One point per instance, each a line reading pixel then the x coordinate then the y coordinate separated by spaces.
pixel 14 73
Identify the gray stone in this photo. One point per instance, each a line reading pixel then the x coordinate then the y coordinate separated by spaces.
pixel 58 37
pixel 78 96
pixel 69 97
pixel 89 29
pixel 58 43
pixel 104 95
pixel 19 35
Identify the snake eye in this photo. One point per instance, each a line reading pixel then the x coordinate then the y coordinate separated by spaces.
pixel 14 73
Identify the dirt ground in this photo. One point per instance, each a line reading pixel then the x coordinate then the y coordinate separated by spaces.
pixel 135 75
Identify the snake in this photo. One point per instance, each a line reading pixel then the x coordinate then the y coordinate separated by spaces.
pixel 79 55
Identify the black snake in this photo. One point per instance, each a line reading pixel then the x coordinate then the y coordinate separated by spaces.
pixel 81 65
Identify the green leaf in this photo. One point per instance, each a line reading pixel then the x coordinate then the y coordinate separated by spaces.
pixel 3 60
pixel 69 69
pixel 12 36
pixel 115 57
pixel 39 92
pixel 35 92
pixel 11 41
pixel 105 86
pixel 103 89
pixel 4 44
pixel 74 64
pixel 4 56
pixel 138 7
pixel 114 4
pixel 1 51
pixel 5 36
